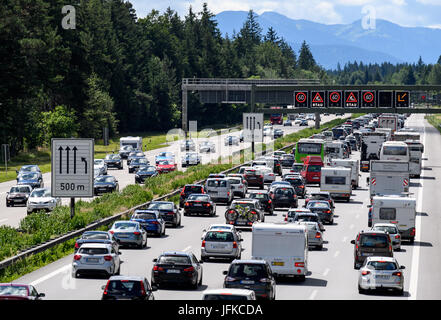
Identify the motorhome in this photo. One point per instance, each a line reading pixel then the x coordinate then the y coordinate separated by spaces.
pixel 337 181
pixel 353 164
pixel 395 150
pixel 334 150
pixel 371 143
pixel 134 142
pixel 388 177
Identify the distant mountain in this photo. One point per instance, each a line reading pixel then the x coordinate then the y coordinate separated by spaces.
pixel 344 43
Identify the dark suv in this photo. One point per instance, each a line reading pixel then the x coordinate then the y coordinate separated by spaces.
pixel 128 287
pixel 187 190
pixel 371 243
pixel 253 275
pixel 284 197
pixel 254 178
pixel 264 199
pixel 298 184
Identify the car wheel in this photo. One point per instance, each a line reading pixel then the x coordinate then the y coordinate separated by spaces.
pixel 7 204
pixel 200 281
pixel 75 275
pixel 195 284
pixel 400 292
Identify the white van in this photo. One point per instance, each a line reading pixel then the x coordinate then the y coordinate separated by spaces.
pixel 219 189
pixel 395 151
pixel 397 209
pixel 353 164
pixel 134 142
pixel 284 246
pixel 337 181
pixel 334 150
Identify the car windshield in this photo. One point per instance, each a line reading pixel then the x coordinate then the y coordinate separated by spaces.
pixel 96 236
pixel 139 161
pixel 144 216
pixel 253 271
pixel 388 229
pixel 98 162
pixel 148 169
pixel 29 169
pixel 13 291
pixel 112 157
pixel 29 176
pixel 198 198
pixel 104 179
pixel 40 193
pixel 124 225
pixel 161 206
pixel 127 287
pixel 165 163
pixel 219 236
pixel 224 297
pixel 382 265
pixel 19 189
pixel 93 251
pixel 174 260
pixel 373 241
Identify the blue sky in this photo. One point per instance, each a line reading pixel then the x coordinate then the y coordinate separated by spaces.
pixel 410 13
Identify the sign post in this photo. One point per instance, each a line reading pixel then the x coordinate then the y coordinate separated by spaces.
pixel 72 169
pixel 252 128
pixel 6 155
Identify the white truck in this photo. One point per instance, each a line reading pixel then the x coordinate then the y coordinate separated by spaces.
pixel 416 150
pixel 371 143
pixel 388 121
pixel 397 209
pixel 388 177
pixel 387 131
pixel 403 136
pixel 283 245
pixel 353 164
pixel 134 142
pixel 337 181
pixel 334 149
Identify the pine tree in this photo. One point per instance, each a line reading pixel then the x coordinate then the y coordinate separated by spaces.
pixel 306 60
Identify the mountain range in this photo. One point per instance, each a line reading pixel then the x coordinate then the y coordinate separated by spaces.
pixel 342 43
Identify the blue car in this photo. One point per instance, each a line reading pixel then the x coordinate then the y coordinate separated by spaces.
pixel 31 179
pixel 150 221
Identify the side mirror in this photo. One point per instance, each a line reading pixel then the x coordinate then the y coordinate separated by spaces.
pixel 402 267
pixel 41 295
pixel 155 260
pixel 119 253
pixel 201 262
pixel 240 240
pixel 154 288
pixel 225 272
pixel 352 241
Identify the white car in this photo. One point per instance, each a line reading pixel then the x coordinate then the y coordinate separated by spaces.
pixel 101 165
pixel 224 227
pixel 96 258
pixel 268 174
pixel 41 199
pixel 381 273
pixel 298 121
pixel 239 188
pixel 392 230
pixel 228 294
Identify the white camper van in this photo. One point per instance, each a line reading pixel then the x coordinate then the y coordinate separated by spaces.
pixel 349 163
pixel 395 150
pixel 337 181
pixel 397 209
pixel 388 177
pixel 334 150
pixel 284 246
pixel 134 142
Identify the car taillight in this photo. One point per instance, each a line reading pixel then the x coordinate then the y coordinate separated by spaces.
pixel 107 286
pixel 228 193
pixel 269 201
pixel 412 233
pixel 261 176
pixel 364 273
pixel 77 257
pixel 299 264
pixel 77 245
pixel 142 289
pixel 191 269
pixel 156 268
pixel 136 233
pixel 397 236
pixel 398 274
pixel 108 258
pixel 234 244
pixel 170 213
pixel 207 205
pixel 328 211
pixel 301 187
pixel 186 204
pixel 153 222
pixel 112 232
pixel 203 244
pixel 286 218
pixel 318 235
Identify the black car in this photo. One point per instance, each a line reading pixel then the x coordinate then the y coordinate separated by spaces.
pixel 113 161
pixel 323 209
pixel 264 199
pixel 189 189
pixel 278 133
pixel 188 145
pixel 177 268
pixel 128 288
pixel 254 178
pixel 287 160
pixel 199 204
pixel 105 184
pixel 137 154
pixel 124 151
pixel 298 184
pixel 145 172
pixel 168 211
pixel 30 179
pixel 18 195
pixel 136 163
pixel 97 237
pixel 284 197
pixel 190 159
pixel 253 275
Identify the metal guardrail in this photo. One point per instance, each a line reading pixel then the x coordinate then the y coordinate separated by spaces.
pixel 73 234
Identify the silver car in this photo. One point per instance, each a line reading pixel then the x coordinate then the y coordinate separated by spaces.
pixel 381 273
pixel 219 189
pixel 392 230
pixel 129 233
pixel 239 188
pixel 101 165
pixel 41 199
pixel 315 235
pixel 221 244
pixel 96 258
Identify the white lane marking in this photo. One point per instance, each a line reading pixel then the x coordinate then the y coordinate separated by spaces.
pixel 3 220
pixel 186 249
pixel 326 272
pixel 336 254
pixel 413 284
pixel 313 294
pixel 50 275
pixel 344 239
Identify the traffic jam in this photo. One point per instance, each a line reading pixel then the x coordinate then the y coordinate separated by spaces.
pixel 300 192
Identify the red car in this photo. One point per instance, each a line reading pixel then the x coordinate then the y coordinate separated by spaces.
pixel 164 166
pixel 15 291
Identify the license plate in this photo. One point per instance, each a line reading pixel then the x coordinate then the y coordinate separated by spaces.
pixel 92 260
pixel 198 205
pixel 315 178
pixel 219 247
pixel 278 263
pixel 173 271
pixel 124 236
pixel 366 254
pixel 381 276
pixel 247 282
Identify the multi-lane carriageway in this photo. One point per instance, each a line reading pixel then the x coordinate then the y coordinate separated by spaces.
pixel 332 274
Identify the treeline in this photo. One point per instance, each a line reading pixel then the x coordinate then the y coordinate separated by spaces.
pixel 117 71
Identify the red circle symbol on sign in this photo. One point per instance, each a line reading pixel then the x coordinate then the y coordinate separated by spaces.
pixel 334 97
pixel 368 97
pixel 301 97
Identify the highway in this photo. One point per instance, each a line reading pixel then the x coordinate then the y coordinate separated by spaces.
pixel 331 270
pixel 12 216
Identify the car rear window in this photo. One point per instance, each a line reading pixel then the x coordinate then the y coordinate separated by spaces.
pixel 253 271
pixel 319 197
pixel 174 260
pixel 95 236
pixel 144 216
pixel 93 251
pixel 284 191
pixel 374 241
pixel 130 287
pixel 192 189
pixel 198 198
pixel 258 196
pixel 320 205
pixel 295 181
pixel 217 183
pixel 224 297
pixel 382 265
pixel 219 236
pixel 314 168
pixel 388 213
pixel 161 206
pixel 301 218
pixel 335 180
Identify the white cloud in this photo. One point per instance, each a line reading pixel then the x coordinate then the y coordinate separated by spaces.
pixel 430 2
